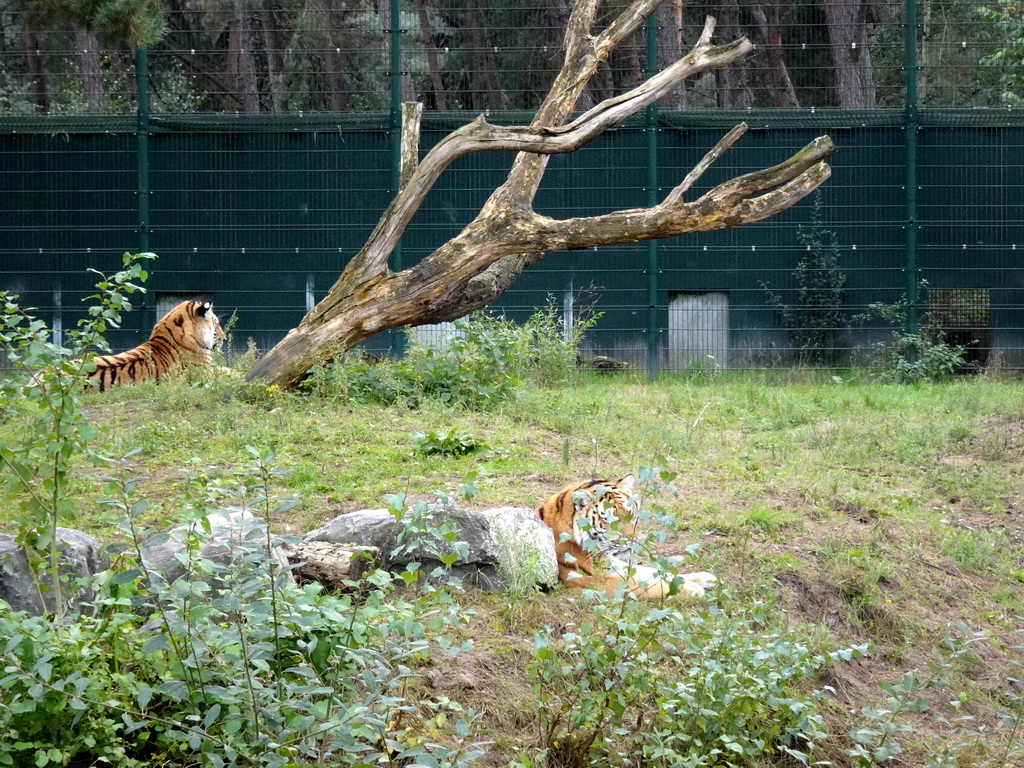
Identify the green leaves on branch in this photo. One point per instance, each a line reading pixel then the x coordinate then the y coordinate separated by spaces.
pixel 54 428
pixel 1007 18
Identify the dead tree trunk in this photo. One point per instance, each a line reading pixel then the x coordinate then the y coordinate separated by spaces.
pixel 480 263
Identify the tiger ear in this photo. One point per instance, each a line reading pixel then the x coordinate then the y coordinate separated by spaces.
pixel 627 483
pixel 203 308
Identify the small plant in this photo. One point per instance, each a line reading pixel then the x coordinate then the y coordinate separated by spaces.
pixel 56 429
pixel 450 442
pixel 916 358
pixel 912 358
pixel 483 363
pixel 816 314
pixel 546 352
pixel 882 737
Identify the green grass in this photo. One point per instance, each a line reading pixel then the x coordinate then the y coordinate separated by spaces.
pixel 865 512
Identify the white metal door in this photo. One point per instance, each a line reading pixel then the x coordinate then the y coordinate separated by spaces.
pixel 698 330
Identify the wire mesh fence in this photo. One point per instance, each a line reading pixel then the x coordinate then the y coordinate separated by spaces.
pixel 254 145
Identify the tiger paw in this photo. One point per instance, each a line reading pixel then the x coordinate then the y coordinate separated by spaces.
pixel 695 584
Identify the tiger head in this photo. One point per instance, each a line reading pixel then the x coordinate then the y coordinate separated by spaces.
pixel 193 328
pixel 601 504
pixel 210 335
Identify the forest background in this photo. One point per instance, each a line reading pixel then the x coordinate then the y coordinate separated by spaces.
pixel 274 56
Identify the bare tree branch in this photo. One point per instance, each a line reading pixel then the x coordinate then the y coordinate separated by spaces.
pixel 475 266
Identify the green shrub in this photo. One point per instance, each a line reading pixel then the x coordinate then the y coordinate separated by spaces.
pixel 450 442
pixel 482 363
pixel 233 664
pixel 54 427
pixel 915 358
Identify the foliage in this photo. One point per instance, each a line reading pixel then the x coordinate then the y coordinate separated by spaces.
pixel 235 665
pixel 547 353
pixel 451 442
pixel 681 689
pixel 118 23
pixel 55 427
pixel 817 312
pixel 913 358
pixel 1008 60
pixel 482 363
pixel 881 737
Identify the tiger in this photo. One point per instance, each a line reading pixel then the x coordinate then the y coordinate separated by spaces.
pixel 187 335
pixel 601 502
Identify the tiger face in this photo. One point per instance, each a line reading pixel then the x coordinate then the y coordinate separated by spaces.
pixel 597 507
pixel 208 333
pixel 581 517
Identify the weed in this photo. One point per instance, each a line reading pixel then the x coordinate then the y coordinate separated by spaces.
pixel 451 442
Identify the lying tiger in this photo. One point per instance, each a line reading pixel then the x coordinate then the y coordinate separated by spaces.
pixel 600 501
pixel 187 335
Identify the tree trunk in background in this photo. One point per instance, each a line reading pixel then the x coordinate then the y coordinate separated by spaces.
pixel 783 93
pixel 275 60
pixel 732 83
pixel 670 48
pixel 847 22
pixel 89 72
pixel 337 93
pixel 484 92
pixel 39 95
pixel 427 40
pixel 241 62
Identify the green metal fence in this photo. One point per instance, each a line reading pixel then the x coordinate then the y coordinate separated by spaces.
pixel 260 210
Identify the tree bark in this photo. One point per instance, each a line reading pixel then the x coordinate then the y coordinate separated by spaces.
pixel 40 97
pixel 427 41
pixel 477 265
pixel 732 80
pixel 241 62
pixel 670 48
pixel 89 72
pixel 484 91
pixel 848 38
pixel 783 93
pixel 275 59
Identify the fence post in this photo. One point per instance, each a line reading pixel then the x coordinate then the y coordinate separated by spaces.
pixel 651 130
pixel 397 342
pixel 142 144
pixel 145 315
pixel 911 127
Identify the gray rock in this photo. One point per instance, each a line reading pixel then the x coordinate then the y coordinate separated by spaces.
pixel 506 547
pixel 526 547
pixel 79 559
pixel 234 533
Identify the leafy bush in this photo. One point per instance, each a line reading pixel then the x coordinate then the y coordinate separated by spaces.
pixel 451 442
pixel 54 426
pixel 885 727
pixel 915 358
pixel 817 312
pixel 235 665
pixel 482 363
pixel 912 358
